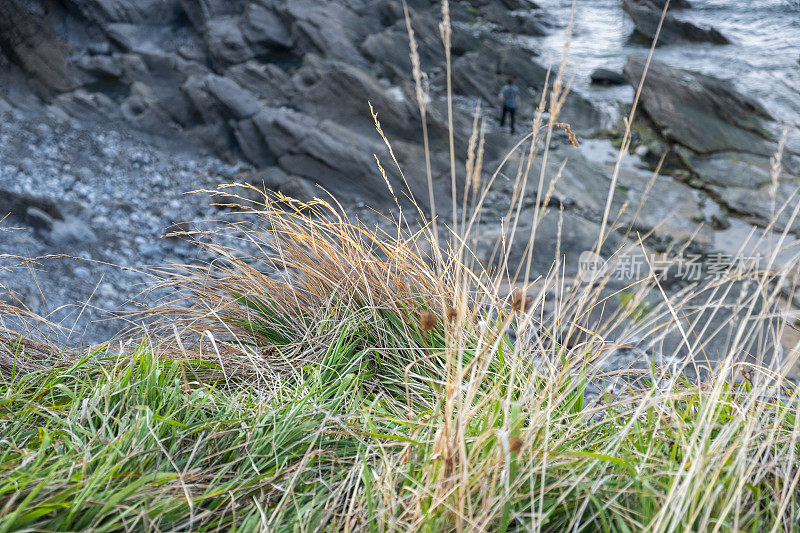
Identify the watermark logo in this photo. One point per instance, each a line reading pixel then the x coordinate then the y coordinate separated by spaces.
pixel 591 267
pixel 691 267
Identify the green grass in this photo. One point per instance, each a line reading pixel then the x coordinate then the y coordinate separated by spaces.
pixel 150 442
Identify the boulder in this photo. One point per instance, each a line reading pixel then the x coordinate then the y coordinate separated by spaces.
pixel 140 12
pixel 70 231
pixel 729 169
pixel 57 224
pixel 513 21
pixel 646 17
pixel 264 30
pixel 329 29
pixel 225 41
pixel 270 178
pixel 604 76
pixel 674 4
pixel 670 210
pixel 38 219
pixel 217 99
pixel 758 205
pixel 237 102
pixel 341 161
pixel 252 145
pixel 582 183
pixel 100 67
pixel 583 116
pixel 390 48
pixel 142 110
pixel 703 113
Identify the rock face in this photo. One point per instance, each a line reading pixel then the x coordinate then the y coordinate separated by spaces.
pixel 283 83
pixel 646 15
pixel 702 113
pixel 28 39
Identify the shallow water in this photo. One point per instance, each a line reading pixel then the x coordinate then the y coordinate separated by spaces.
pixel 762 60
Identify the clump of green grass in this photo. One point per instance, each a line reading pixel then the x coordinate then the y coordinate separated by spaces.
pixel 156 442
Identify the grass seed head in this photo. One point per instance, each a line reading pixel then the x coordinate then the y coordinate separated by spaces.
pixel 427 321
pixel 520 302
pixel 515 444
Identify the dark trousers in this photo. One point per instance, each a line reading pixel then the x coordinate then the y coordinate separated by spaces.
pixel 511 112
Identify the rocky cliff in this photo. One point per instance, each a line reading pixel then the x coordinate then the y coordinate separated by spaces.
pixel 278 84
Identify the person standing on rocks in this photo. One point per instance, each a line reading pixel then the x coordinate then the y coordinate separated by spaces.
pixel 509 98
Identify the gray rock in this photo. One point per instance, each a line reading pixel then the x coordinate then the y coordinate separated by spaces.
pixel 576 236
pixel 265 30
pixel 298 188
pixel 17 205
pixel 513 20
pixel 70 231
pixel 674 4
pixel 646 18
pixel 82 272
pixel 390 48
pixel 152 253
pixel 38 219
pixel 669 210
pixel 703 113
pixel 320 151
pixel 126 36
pixel 84 174
pixel 269 178
pixel 729 169
pixel 252 145
pixel 239 103
pixel 267 81
pixel 483 72
pixel 582 183
pixel 318 83
pixel 604 76
pixel 142 109
pixel 225 41
pixel 583 116
pixel 43 130
pixel 759 205
pixel 102 67
pixel 87 106
pixel 27 36
pixel 329 29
